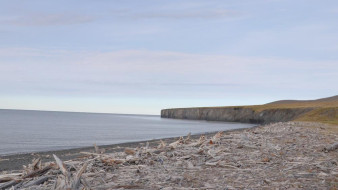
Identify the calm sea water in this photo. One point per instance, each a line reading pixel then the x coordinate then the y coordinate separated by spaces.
pixel 32 131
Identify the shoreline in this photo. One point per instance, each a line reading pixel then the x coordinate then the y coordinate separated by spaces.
pixel 16 161
pixel 287 155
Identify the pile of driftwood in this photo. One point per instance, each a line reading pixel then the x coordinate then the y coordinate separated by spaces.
pixel 282 155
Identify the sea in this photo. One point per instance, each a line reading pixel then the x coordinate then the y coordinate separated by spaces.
pixel 23 131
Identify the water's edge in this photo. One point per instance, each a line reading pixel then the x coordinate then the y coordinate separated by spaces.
pixel 38 131
pixel 116 144
pixel 16 161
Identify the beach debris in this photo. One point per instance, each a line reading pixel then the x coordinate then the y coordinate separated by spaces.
pixel 200 141
pixel 330 148
pixel 38 181
pixel 276 156
pixel 99 150
pixel 9 177
pixel 176 143
pixel 129 151
pixel 216 138
pixel 35 169
pixel 10 184
pixel 68 180
pixel 161 145
pixel 38 172
pixel 187 140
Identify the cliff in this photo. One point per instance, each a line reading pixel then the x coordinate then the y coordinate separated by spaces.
pixel 322 110
pixel 235 114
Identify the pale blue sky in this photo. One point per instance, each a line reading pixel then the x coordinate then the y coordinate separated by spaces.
pixel 139 56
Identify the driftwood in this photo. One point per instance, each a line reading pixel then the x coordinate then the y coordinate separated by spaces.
pixel 161 145
pixel 5 179
pixel 176 143
pixel 9 177
pixel 69 181
pixel 9 184
pixel 77 178
pixel 330 148
pixel 37 181
pixel 37 172
pixel 16 178
pixel 129 151
pixel 99 150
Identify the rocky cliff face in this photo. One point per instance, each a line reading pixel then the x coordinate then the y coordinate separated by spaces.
pixel 235 114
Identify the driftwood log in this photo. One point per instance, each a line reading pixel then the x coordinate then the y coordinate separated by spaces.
pixel 38 181
pixel 330 148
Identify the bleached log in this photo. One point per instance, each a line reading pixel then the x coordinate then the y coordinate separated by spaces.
pixel 97 150
pixel 37 181
pixel 161 145
pixel 85 183
pixel 200 141
pixel 9 177
pixel 9 184
pixel 187 140
pixel 176 143
pixel 6 179
pixel 331 147
pixel 129 151
pixel 37 172
pixel 76 182
pixel 63 169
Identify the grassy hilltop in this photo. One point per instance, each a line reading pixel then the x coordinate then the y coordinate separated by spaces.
pixel 325 109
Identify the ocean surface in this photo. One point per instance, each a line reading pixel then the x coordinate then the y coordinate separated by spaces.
pixel 31 131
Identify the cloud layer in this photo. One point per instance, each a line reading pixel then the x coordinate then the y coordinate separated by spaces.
pixel 68 18
pixel 155 73
pixel 46 19
pixel 184 14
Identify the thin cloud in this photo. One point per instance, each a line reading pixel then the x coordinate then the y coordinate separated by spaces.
pixel 58 19
pixel 197 14
pixel 44 19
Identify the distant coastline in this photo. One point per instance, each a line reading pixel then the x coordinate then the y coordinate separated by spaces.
pixel 127 114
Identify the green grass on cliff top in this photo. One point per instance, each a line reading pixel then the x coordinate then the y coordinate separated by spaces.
pixel 325 110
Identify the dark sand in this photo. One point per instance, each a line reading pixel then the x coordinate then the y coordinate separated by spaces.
pixel 16 161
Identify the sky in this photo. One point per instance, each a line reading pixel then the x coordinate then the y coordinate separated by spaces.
pixel 141 56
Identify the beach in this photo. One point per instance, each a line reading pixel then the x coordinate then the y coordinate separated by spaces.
pixel 285 155
pixel 16 161
pixel 169 95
